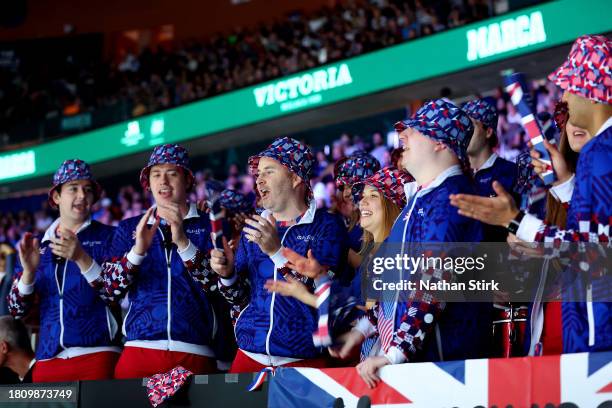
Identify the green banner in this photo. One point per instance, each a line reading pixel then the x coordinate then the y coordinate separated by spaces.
pixel 510 35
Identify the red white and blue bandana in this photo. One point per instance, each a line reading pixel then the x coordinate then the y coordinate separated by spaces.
pixel 444 122
pixel 587 72
pixel 355 168
pixel 482 111
pixel 389 181
pixel 71 170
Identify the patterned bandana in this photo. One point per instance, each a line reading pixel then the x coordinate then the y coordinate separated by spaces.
pixel 355 168
pixel 168 154
pixel 71 170
pixel 295 156
pixel 235 202
pixel 482 111
pixel 444 122
pixel 389 181
pixel 527 177
pixel 160 387
pixel 587 72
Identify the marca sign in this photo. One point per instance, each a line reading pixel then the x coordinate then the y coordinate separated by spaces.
pixel 507 35
pixel 303 86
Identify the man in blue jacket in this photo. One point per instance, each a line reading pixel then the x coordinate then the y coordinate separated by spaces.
pixel 421 328
pixel 276 330
pixel 486 165
pixel 585 79
pixel 77 329
pixel 170 320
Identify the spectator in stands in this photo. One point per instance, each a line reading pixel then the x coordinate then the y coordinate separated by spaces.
pixel 170 321
pixel 486 165
pixel 380 151
pixel 7 264
pixel 78 331
pixel 276 331
pixel 15 349
pixel 158 79
pixel 381 198
pixel 347 172
pixel 435 153
pixel 585 325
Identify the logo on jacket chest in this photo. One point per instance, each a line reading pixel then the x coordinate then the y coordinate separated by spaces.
pixel 305 238
pixel 195 230
pixel 91 243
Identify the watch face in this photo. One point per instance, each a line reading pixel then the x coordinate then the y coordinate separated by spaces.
pixel 513 226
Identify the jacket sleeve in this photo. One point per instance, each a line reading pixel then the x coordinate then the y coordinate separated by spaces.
pixel 236 290
pixel 21 296
pixel 589 208
pixel 120 269
pixel 422 308
pixel 94 275
pixel 368 324
pixel 197 263
pixel 331 247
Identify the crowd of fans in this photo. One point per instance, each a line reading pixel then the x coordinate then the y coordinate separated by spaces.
pixel 131 201
pixel 158 79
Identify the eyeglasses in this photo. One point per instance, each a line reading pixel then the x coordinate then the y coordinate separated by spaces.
pixel 561 114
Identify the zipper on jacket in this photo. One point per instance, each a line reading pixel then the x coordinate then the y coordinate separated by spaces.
pixel 272 306
pixel 126 317
pixel 60 291
pixel 408 216
pixel 110 319
pixel 590 315
pixel 168 256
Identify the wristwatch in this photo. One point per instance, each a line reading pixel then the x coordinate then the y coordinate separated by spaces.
pixel 514 224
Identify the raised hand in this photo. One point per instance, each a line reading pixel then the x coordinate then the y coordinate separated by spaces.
pixel 29 256
pixel 263 232
pixel 238 221
pixel 145 232
pixel 559 163
pixel 222 262
pixel 291 287
pixel 67 246
pixel 171 212
pixel 498 210
pixel 306 266
pixel 203 206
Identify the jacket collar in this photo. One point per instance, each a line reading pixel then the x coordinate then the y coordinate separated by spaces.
pixel 50 232
pixel 308 215
pixel 488 164
pixel 412 188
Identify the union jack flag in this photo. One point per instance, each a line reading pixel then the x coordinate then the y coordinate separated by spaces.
pixel 516 86
pixel 583 379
